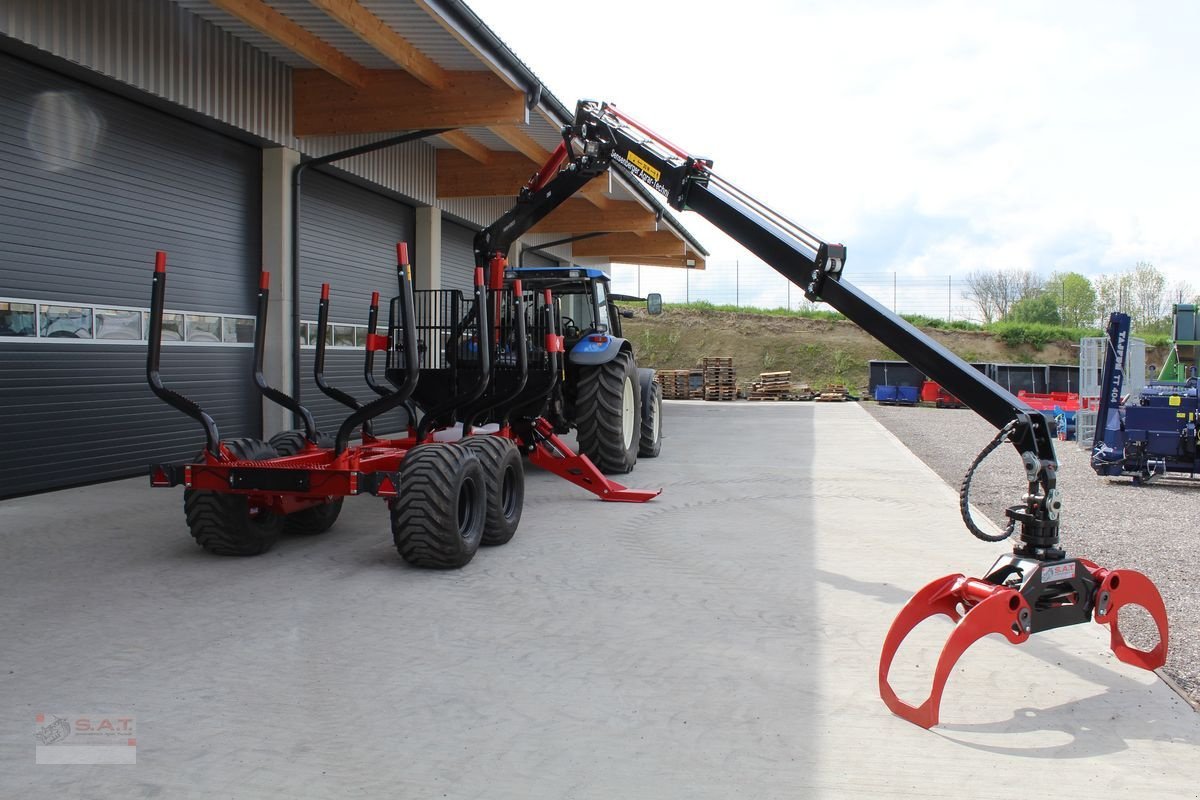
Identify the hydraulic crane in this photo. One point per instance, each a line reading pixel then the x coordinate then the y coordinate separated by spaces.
pixel 1034 588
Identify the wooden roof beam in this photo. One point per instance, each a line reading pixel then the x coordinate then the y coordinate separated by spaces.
pixel 690 261
pixel 468 146
pixel 578 216
pixel 656 243
pixel 502 175
pixel 392 100
pixel 375 32
pixel 269 22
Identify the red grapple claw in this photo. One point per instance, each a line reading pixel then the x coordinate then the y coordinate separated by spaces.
pixel 990 609
pixel 1122 587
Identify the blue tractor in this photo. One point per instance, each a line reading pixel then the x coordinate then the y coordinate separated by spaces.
pixel 614 406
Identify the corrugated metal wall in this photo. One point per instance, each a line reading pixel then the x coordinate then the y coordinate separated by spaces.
pixel 458 257
pixel 158 47
pixel 348 238
pixel 93 185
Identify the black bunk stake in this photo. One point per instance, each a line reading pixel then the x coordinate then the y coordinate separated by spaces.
pixel 212 437
pixel 392 400
pixel 260 380
pixel 332 392
pixel 372 346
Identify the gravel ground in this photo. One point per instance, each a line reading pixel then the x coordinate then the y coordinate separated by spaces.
pixel 1152 529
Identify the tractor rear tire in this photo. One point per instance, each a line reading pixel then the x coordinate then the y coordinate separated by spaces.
pixel 438 517
pixel 505 477
pixel 608 414
pixel 315 519
pixel 228 524
pixel 650 444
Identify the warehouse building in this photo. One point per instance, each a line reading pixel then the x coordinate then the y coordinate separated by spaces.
pixel 303 137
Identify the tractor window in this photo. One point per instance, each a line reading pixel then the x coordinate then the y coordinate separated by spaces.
pixel 602 305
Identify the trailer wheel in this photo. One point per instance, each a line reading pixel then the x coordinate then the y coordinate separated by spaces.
pixel 229 524
pixel 505 478
pixel 607 414
pixel 315 519
pixel 438 517
pixel 650 444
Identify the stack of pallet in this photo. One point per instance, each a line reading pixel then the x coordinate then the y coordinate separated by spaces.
pixel 720 379
pixel 778 386
pixel 771 386
pixel 681 384
pixel 834 393
pixel 674 383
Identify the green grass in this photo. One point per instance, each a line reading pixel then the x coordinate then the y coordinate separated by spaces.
pixel 1014 334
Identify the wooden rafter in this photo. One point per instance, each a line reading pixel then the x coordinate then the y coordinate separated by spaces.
pixel 393 100
pixel 502 175
pixel 689 261
pixel 655 243
pixel 375 32
pixel 464 144
pixel 578 216
pixel 269 22
pixel 522 142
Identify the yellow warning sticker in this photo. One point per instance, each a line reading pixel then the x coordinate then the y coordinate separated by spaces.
pixel 1175 400
pixel 644 166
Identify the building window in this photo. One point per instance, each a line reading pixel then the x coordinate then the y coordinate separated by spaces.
pixel 203 328
pixel 18 319
pixel 116 323
pixel 36 320
pixel 236 330
pixel 66 322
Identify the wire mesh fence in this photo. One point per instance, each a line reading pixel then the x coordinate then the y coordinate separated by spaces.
pixel 754 285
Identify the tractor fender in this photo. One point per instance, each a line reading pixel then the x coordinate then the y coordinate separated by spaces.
pixel 597 348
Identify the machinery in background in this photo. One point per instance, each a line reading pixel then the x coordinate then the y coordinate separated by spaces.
pixel 1152 433
pixel 614 405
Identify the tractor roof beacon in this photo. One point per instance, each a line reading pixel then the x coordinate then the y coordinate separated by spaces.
pixel 1034 588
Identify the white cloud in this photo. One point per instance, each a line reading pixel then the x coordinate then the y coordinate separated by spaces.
pixel 1031 132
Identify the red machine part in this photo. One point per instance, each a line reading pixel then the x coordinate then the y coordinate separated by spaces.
pixel 992 608
pixel 552 454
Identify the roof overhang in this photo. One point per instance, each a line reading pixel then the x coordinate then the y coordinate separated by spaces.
pixel 387 66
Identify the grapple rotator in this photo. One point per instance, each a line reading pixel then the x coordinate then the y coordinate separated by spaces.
pixel 1035 588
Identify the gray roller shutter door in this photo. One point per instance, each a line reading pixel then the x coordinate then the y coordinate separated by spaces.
pixel 93 185
pixel 458 257
pixel 348 237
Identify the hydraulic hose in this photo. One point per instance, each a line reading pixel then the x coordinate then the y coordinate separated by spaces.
pixel 964 491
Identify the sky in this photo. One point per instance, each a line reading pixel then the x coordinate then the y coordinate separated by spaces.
pixel 932 138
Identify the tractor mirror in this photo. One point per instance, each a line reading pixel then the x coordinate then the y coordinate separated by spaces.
pixel 654 304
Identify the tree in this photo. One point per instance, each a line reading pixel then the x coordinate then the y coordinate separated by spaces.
pixel 1075 297
pixel 1150 305
pixel 1041 308
pixel 994 292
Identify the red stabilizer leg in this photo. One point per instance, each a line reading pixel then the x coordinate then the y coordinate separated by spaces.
pixel 552 454
pixel 991 609
pixel 1122 587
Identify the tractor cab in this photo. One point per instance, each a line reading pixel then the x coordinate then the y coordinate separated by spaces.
pixel 587 307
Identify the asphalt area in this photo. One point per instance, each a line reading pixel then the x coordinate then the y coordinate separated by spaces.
pixel 720 641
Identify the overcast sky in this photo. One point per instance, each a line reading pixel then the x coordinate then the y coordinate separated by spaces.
pixel 932 138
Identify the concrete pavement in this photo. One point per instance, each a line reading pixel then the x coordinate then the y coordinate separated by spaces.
pixel 720 641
